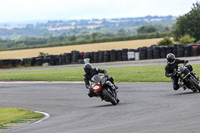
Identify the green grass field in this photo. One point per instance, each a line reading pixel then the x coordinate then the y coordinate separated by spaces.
pixel 120 74
pixel 10 116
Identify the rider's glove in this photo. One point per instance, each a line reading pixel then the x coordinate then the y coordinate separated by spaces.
pixel 106 75
pixel 186 61
pixel 88 87
pixel 173 74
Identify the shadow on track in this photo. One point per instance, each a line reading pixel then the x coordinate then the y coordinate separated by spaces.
pixel 186 93
pixel 108 105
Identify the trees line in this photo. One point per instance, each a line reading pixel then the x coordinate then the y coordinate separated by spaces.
pixel 94 39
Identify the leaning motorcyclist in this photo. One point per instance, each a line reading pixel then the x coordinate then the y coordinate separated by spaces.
pixel 171 67
pixel 90 72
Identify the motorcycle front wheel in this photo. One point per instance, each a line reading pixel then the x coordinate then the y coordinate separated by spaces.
pixel 109 97
pixel 195 84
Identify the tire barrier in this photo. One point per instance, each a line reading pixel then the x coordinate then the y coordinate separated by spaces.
pixel 113 55
pixel 81 55
pixel 195 50
pixel 143 53
pixel 162 52
pixel 175 49
pixel 96 57
pixel 131 54
pixel 119 55
pixel 124 54
pixel 91 57
pixel 156 52
pixel 180 50
pixel 39 60
pixel 10 63
pixel 33 62
pixel 187 50
pixel 101 56
pixel 81 61
pixel 150 53
pixel 68 58
pixel 169 50
pixel 26 61
pixel 74 57
pixel 60 60
pixel 86 55
pixel 137 56
pixel 107 56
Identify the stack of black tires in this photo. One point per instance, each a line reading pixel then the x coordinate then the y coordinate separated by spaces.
pixel 124 54
pixel 143 53
pixel 156 52
pixel 8 63
pixel 101 56
pixel 76 57
pixel 195 50
pixel 150 53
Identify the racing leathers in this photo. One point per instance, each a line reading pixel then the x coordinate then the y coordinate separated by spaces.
pixel 170 71
pixel 87 78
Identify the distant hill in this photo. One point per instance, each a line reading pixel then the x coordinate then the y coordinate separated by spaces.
pixel 46 29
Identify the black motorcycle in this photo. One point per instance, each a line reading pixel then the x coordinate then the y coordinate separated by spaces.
pixel 102 90
pixel 187 78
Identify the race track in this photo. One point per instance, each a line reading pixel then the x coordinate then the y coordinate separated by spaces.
pixel 144 108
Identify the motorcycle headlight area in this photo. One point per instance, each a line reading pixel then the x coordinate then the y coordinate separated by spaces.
pixel 96 87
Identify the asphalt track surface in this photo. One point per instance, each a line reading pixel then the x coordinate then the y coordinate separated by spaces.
pixel 144 108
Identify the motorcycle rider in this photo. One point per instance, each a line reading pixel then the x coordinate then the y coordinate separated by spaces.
pixel 171 67
pixel 90 72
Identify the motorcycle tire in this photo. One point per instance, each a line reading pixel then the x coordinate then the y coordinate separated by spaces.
pixel 195 84
pixel 109 97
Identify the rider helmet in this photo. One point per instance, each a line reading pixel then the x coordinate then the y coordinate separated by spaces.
pixel 87 68
pixel 171 58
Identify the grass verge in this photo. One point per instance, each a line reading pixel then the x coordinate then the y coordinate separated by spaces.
pixel 13 116
pixel 120 74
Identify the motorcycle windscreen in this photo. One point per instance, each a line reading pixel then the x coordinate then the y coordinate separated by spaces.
pixel 96 78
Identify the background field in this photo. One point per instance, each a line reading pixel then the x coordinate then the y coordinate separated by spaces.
pixel 19 54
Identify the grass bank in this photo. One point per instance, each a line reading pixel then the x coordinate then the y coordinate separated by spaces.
pixel 120 74
pixel 12 116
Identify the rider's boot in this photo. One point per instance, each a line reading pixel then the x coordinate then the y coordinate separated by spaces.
pixel 183 86
pixel 116 87
pixel 90 94
pixel 118 100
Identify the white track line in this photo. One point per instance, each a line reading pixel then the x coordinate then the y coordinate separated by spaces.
pixel 46 116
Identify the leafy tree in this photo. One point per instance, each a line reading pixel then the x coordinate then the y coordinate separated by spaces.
pixel 187 39
pixel 189 24
pixel 121 32
pixel 72 38
pixel 94 36
pixel 147 29
pixel 166 42
pixel 43 54
pixel 166 29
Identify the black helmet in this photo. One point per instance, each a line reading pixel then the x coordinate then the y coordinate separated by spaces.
pixel 171 58
pixel 87 68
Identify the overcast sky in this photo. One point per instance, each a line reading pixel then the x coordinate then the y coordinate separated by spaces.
pixel 25 10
